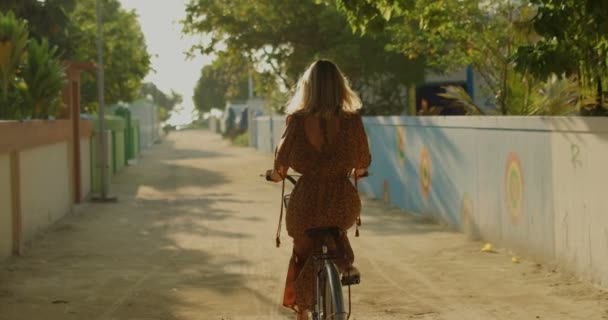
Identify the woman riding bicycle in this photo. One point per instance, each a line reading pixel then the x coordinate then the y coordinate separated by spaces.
pixel 325 142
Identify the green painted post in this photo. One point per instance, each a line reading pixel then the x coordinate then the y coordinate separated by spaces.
pixel 96 162
pixel 114 151
pixel 128 144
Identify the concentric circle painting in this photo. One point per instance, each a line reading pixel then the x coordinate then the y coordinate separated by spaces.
pixel 400 132
pixel 514 186
pixel 425 172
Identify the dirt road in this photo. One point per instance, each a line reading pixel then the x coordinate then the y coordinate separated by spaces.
pixel 192 237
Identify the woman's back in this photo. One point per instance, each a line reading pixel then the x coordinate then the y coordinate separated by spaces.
pixel 313 145
pixel 321 132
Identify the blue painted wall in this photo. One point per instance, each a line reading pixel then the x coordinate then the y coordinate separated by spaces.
pixel 466 170
pixel 534 185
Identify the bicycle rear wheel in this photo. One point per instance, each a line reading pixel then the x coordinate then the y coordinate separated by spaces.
pixel 332 299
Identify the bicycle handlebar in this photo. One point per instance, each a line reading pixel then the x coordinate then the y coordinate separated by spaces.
pixel 292 179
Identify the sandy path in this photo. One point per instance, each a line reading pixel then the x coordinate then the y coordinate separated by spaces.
pixel 192 237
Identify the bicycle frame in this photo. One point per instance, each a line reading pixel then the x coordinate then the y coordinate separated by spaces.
pixel 324 266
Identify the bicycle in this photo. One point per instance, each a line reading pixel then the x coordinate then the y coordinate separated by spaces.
pixel 329 298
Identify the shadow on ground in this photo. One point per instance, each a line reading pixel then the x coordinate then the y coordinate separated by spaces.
pixel 145 257
pixel 379 220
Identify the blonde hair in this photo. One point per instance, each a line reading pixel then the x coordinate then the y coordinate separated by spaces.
pixel 323 91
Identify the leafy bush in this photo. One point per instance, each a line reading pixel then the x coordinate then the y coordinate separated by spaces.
pixel 13 42
pixel 558 96
pixel 241 140
pixel 45 78
pixel 31 75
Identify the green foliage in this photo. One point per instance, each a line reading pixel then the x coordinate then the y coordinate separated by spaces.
pixel 165 102
pixel 31 75
pixel 226 79
pixel 71 26
pixel 163 115
pixel 282 38
pixel 49 20
pixel 364 15
pixel 574 42
pixel 556 97
pixel 451 34
pixel 13 42
pixel 126 59
pixel 462 98
pixel 276 101
pixel 241 140
pixel 442 32
pixel 44 77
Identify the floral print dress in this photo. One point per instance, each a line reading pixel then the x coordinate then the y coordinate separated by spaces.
pixel 324 152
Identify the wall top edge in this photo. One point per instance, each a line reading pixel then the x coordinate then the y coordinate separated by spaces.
pixel 520 123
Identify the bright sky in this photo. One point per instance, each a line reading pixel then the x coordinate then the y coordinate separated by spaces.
pixel 159 21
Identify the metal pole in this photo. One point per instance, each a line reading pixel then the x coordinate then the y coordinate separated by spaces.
pixel 100 93
pixel 250 85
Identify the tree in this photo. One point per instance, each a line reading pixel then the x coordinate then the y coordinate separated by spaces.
pixel 226 79
pixel 31 75
pixel 49 20
pixel 72 26
pixel 574 42
pixel 452 34
pixel 126 59
pixel 165 102
pixel 282 37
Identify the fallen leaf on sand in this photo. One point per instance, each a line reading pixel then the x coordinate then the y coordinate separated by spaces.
pixel 487 248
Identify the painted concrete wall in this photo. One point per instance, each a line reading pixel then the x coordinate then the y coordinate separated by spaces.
pixel 136 137
pixel 263 134
pixel 118 147
pixel 45 187
pixel 255 108
pixel 454 169
pixel 580 154
pixel 278 127
pixel 5 207
pixel 96 163
pixel 534 185
pixel 269 133
pixel 149 127
pixel 85 167
pixel 214 124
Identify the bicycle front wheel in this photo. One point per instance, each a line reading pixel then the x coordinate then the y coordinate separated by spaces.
pixel 332 298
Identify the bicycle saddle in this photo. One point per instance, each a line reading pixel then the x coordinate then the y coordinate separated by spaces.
pixel 323 231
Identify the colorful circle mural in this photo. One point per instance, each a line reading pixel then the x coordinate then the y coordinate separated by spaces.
pixel 401 145
pixel 425 172
pixel 514 186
